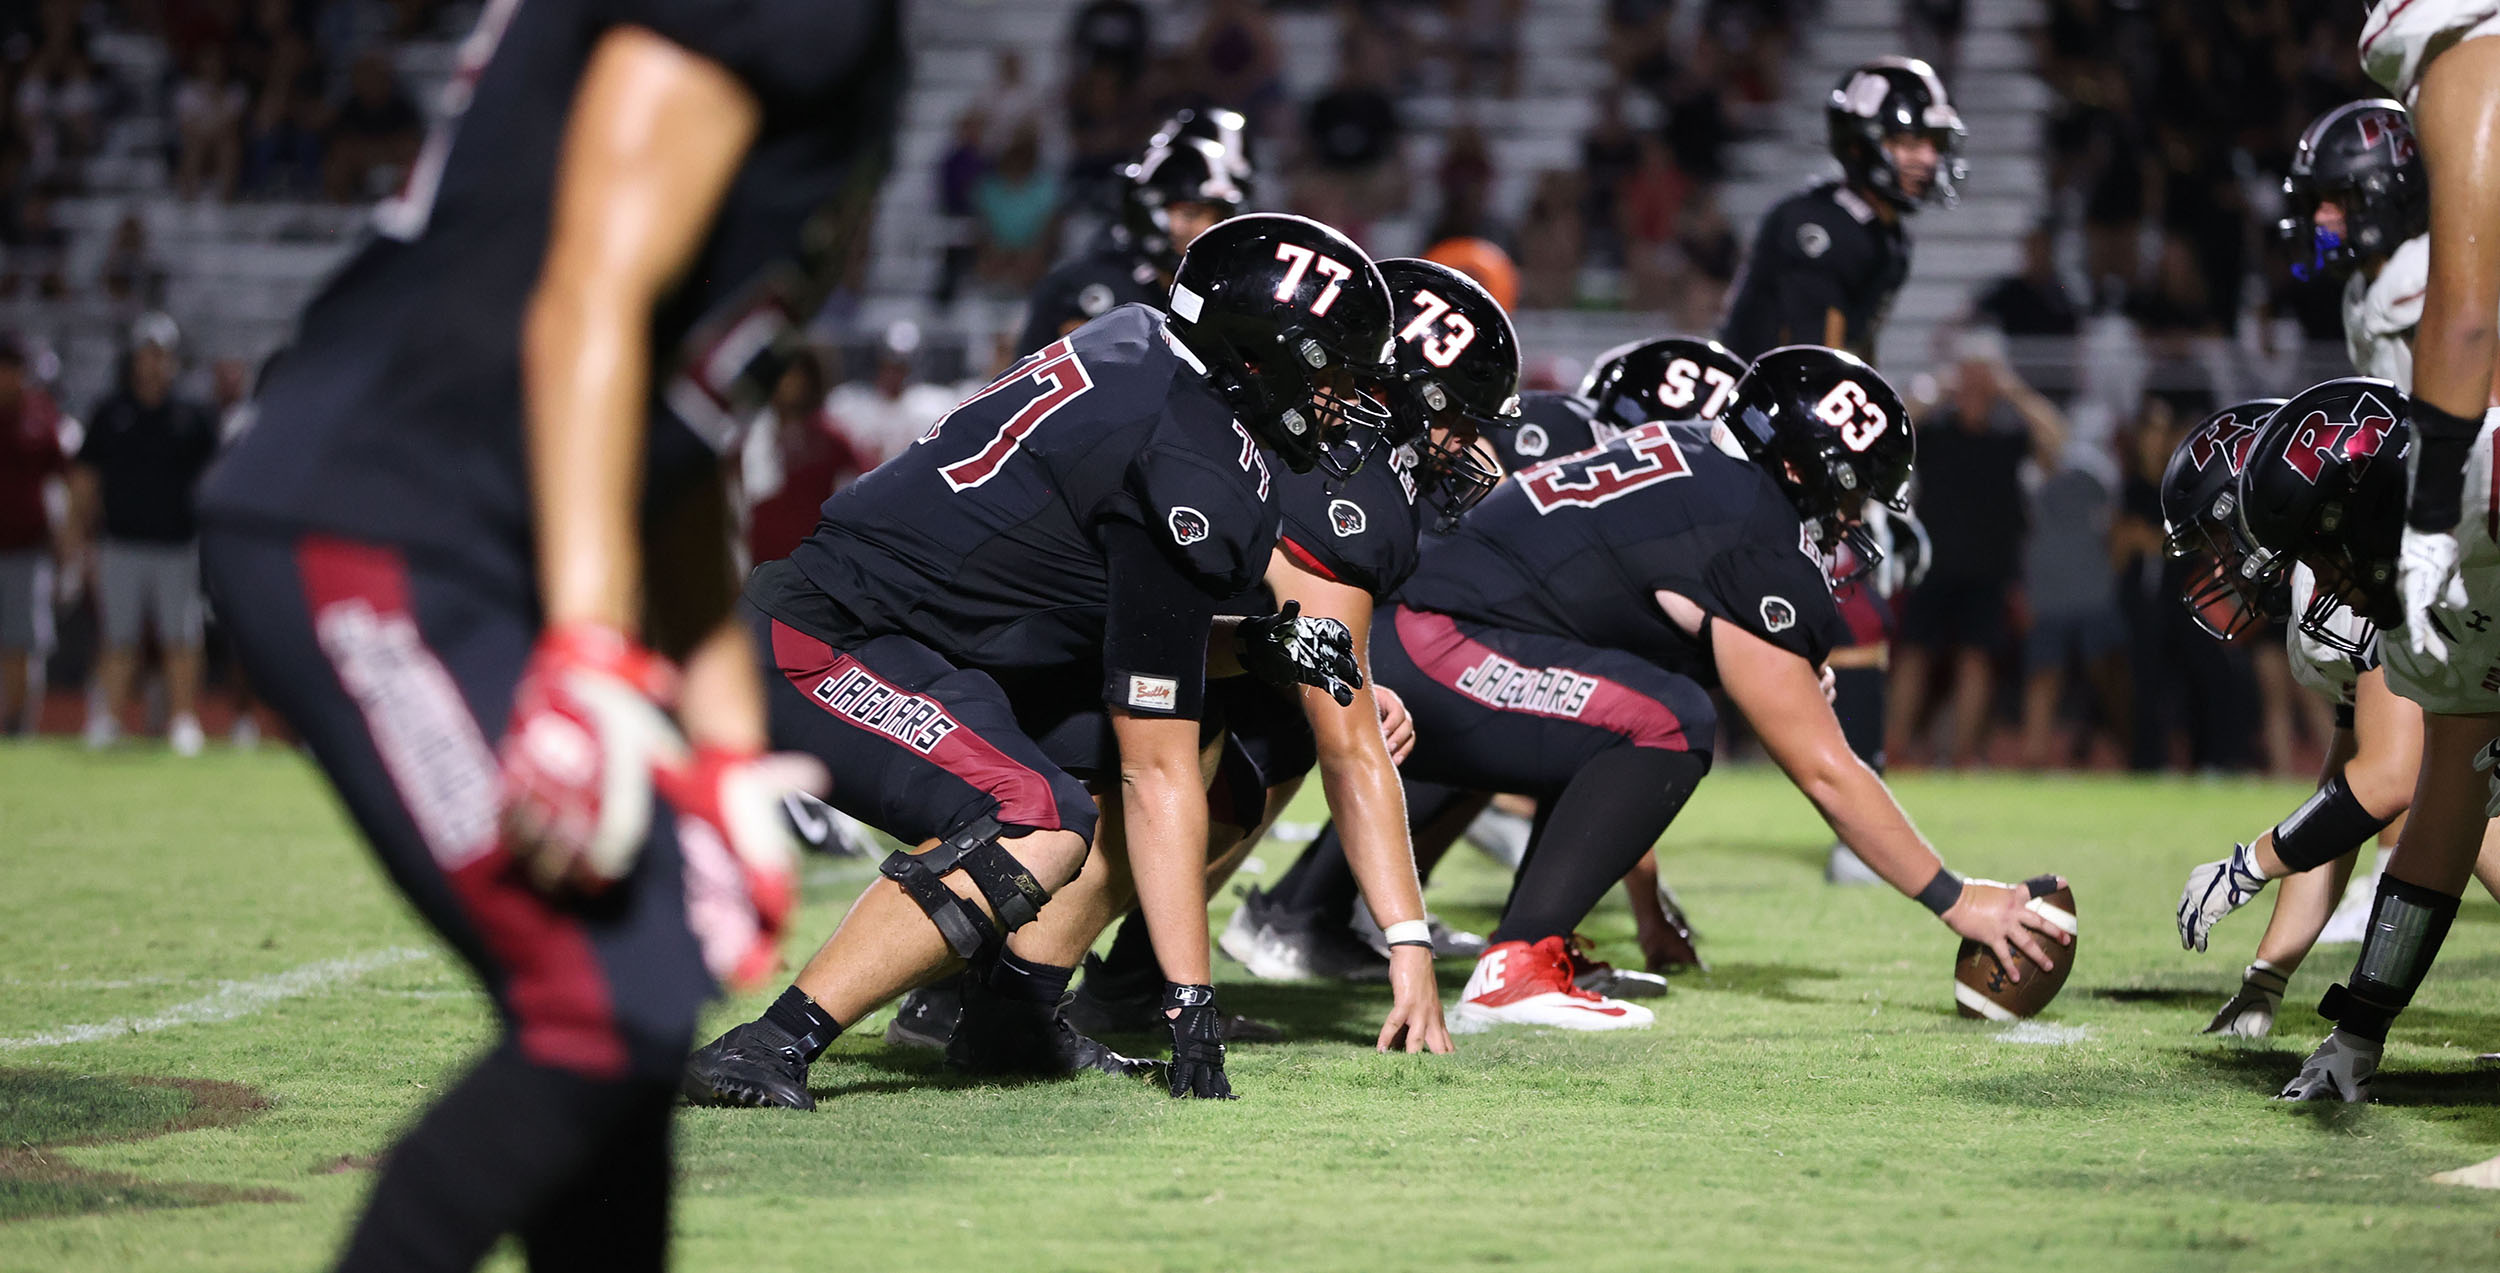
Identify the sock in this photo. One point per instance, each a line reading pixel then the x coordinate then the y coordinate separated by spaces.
pixel 798 1016
pixel 614 1216
pixel 1024 981
pixel 517 1147
pixel 1130 965
pixel 1859 695
pixel 2408 924
pixel 1614 809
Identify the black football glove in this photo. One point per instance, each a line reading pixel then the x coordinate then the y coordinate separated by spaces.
pixel 1286 649
pixel 1197 1043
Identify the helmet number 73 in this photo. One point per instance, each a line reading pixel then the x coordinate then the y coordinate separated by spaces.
pixel 1443 332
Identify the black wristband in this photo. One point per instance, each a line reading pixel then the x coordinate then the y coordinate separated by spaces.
pixel 2435 506
pixel 1941 892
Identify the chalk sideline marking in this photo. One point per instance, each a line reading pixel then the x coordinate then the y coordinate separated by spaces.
pixel 229 1001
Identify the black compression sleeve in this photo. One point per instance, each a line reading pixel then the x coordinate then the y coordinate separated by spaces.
pixel 1154 656
pixel 2439 477
pixel 2326 826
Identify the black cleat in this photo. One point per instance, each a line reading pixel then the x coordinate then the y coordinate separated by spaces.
pixel 926 1017
pixel 1009 1037
pixel 1103 1005
pixel 757 1065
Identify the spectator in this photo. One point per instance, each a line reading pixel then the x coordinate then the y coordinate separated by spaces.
pixel 30 462
pixel 1104 134
pixel 2072 600
pixel 1551 243
pixel 881 416
pixel 1970 455
pixel 2181 677
pixel 1011 103
pixel 1354 143
pixel 1710 250
pixel 1653 198
pixel 1485 38
pixel 285 155
pixel 1932 30
pixel 1608 154
pixel 1018 202
pixel 37 250
pixel 1233 59
pixel 60 106
pixel 208 128
pixel 2033 302
pixel 1114 36
pixel 959 175
pixel 794 460
pixel 1466 182
pixel 374 134
pixel 131 276
pixel 1697 128
pixel 142 455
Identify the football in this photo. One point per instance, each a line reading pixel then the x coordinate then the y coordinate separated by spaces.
pixel 1981 990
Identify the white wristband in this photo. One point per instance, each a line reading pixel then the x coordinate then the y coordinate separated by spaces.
pixel 1408 932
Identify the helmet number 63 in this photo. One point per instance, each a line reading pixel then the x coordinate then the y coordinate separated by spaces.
pixel 1845 408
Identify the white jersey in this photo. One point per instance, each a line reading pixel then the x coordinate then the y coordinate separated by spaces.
pixel 2319 668
pixel 2467 682
pixel 2402 36
pixel 2380 313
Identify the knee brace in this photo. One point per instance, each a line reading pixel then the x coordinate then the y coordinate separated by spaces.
pixel 1013 893
pixel 2326 826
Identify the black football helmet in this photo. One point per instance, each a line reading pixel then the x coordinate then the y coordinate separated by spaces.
pixel 1832 433
pixel 2226 590
pixel 1458 369
pixel 1888 97
pixel 1291 323
pixel 1189 170
pixel 2325 486
pixel 1670 378
pixel 1226 128
pixel 2361 156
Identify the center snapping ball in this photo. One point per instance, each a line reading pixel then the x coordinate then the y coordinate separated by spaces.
pixel 1981 990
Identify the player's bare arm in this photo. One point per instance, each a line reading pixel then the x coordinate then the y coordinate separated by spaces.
pixel 1369 807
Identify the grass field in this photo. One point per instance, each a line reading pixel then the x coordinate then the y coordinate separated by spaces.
pixel 1812 1102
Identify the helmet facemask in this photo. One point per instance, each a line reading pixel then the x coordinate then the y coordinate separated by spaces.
pixel 1453 473
pixel 2230 582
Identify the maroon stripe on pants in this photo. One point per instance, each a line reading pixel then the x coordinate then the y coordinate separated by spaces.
pixel 1024 796
pixel 1448 656
pixel 443 770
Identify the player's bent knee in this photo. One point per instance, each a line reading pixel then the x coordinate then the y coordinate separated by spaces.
pixel 1013 888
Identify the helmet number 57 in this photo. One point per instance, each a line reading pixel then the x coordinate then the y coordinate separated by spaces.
pixel 1299 261
pixel 1845 408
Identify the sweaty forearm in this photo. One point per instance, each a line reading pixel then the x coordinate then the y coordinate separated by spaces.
pixel 1864 815
pixel 1165 812
pixel 1369 808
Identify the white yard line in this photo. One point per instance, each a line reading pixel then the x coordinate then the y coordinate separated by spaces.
pixel 229 1001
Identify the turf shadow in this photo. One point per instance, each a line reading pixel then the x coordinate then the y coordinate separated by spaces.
pixel 2155 996
pixel 1763 981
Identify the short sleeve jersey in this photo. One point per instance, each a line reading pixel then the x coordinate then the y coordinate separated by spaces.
pixel 1821 249
pixel 1578 547
pixel 1551 425
pixel 148 462
pixel 396 416
pixel 983 540
pixel 1361 531
pixel 1108 274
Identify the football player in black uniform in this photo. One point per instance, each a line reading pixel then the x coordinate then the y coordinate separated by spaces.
pixel 1824 269
pixel 1194 173
pixel 1563 641
pixel 1302 927
pixel 482 502
pixel 1081 516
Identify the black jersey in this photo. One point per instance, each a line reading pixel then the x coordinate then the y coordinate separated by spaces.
pixel 1361 531
pixel 396 416
pixel 994 540
pixel 1551 425
pixel 1575 547
pixel 1824 248
pixel 1109 273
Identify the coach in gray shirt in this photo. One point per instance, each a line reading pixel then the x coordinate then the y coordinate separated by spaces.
pixel 142 455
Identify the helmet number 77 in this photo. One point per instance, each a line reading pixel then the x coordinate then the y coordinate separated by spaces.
pixel 1299 261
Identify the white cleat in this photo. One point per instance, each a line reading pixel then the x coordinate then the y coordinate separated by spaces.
pixel 1517 983
pixel 2340 1070
pixel 2351 920
pixel 102 731
pixel 184 735
pixel 1846 867
pixel 1500 836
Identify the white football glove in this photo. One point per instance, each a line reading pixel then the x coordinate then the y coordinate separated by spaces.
pixel 2250 1013
pixel 2485 761
pixel 2339 1070
pixel 2214 890
pixel 2427 579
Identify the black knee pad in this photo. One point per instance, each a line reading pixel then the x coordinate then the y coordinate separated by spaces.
pixel 2326 826
pixel 1013 892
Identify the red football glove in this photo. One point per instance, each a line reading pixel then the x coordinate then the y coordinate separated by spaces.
pixel 587 729
pixel 741 855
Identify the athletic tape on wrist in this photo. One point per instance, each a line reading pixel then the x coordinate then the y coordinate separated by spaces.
pixel 1942 891
pixel 2326 826
pixel 1408 932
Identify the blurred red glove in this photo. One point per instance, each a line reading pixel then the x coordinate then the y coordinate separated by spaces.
pixel 588 728
pixel 741 854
